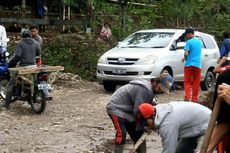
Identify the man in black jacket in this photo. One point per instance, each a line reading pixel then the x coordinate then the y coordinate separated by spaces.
pixel 25 55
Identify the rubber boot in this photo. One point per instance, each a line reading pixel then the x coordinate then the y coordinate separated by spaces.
pixel 118 148
pixel 142 147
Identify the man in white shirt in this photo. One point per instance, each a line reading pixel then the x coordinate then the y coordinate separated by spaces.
pixel 180 124
pixel 3 40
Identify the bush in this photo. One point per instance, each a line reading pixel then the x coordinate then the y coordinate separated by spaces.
pixel 78 53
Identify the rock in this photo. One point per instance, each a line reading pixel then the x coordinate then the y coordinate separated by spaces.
pixel 81 37
pixel 5 151
pixel 2 142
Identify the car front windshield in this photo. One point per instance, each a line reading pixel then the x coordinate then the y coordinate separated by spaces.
pixel 147 40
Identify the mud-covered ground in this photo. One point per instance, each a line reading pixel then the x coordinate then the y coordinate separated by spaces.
pixel 75 121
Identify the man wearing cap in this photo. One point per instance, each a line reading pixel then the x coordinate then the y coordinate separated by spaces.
pixel 167 82
pixel 25 54
pixel 192 66
pixel 123 110
pixel 180 124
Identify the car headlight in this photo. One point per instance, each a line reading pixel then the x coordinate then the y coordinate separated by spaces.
pixel 147 60
pixel 102 59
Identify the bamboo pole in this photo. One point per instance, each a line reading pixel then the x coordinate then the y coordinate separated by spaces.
pixel 211 126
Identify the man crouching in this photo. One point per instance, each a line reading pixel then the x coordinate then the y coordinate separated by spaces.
pixel 180 124
pixel 123 110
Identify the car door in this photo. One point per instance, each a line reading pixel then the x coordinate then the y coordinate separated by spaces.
pixel 178 65
pixel 210 53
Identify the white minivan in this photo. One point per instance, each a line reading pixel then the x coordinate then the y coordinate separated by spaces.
pixel 146 53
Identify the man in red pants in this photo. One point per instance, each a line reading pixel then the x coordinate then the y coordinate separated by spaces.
pixel 192 66
pixel 122 108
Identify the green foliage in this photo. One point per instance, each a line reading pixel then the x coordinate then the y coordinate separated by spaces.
pixel 143 17
pixel 76 52
pixel 78 56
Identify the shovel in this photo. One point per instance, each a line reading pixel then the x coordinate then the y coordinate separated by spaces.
pixel 138 143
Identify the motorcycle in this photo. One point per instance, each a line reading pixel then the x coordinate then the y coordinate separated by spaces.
pixel 30 87
pixel 4 74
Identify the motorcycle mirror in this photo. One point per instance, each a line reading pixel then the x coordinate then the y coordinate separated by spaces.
pixel 7 39
pixel 7 54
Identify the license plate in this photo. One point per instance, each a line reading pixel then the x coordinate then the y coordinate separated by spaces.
pixel 44 86
pixel 119 71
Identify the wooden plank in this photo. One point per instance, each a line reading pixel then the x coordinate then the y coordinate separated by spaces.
pixel 24 21
pixel 41 21
pixel 34 70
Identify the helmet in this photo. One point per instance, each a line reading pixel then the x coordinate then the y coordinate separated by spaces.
pixel 25 33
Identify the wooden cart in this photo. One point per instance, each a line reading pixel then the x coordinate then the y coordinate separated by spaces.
pixel 28 74
pixel 29 87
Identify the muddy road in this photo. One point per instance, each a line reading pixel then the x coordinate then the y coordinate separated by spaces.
pixel 74 122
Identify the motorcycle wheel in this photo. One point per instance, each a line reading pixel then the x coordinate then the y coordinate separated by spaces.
pixel 3 88
pixel 38 102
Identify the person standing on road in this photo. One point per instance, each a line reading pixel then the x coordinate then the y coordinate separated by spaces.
pixel 179 124
pixel 192 66
pixel 123 108
pixel 26 51
pixel 38 38
pixel 225 47
pixel 35 35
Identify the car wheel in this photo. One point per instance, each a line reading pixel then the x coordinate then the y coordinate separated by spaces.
pixel 209 81
pixel 109 86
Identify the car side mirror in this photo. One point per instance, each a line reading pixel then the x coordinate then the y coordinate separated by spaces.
pixel 180 45
pixel 119 43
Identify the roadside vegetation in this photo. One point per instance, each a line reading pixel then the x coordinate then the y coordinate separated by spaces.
pixel 79 52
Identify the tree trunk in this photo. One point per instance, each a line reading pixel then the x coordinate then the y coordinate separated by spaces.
pixel 66 14
pixel 23 4
pixel 23 8
pixel 90 15
pixel 123 15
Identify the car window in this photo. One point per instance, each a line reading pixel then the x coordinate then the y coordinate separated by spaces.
pixel 208 41
pixel 147 40
pixel 203 44
pixel 182 38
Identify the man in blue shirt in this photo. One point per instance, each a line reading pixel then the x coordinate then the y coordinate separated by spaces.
pixel 225 47
pixel 192 66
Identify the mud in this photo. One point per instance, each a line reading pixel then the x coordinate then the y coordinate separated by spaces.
pixel 75 121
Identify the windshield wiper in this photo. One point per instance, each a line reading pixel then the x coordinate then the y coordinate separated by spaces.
pixel 158 47
pixel 134 46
